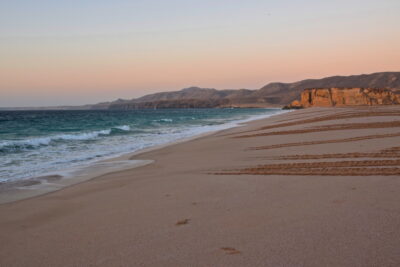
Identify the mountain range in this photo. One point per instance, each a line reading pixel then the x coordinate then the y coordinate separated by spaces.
pixel 271 95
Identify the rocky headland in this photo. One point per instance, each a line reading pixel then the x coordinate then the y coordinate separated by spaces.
pixel 271 95
pixel 274 94
pixel 337 97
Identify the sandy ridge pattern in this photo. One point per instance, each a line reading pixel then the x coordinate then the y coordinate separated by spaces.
pixel 316 171
pixel 344 140
pixel 392 152
pixel 361 167
pixel 334 127
pixel 343 115
pixel 323 168
pixel 341 155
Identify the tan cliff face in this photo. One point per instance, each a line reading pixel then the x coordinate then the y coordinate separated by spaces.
pixel 336 97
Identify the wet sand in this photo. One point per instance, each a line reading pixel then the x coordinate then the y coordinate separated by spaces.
pixel 314 187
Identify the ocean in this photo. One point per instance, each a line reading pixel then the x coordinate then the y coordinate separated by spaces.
pixel 37 143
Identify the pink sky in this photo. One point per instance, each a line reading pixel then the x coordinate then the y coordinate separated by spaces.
pixel 65 64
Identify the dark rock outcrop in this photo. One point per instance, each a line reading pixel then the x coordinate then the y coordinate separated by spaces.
pixel 337 97
pixel 288 92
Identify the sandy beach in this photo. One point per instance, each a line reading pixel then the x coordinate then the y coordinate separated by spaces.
pixel 313 187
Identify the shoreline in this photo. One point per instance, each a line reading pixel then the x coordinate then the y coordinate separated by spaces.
pixel 36 186
pixel 287 190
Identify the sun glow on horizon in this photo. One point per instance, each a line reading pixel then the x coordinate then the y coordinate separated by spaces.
pixel 128 49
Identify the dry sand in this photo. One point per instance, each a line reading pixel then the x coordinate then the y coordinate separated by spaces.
pixel 325 191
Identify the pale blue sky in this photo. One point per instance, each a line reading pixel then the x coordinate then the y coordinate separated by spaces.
pixel 61 52
pixel 64 18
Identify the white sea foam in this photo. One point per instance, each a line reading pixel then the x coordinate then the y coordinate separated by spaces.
pixel 44 141
pixel 164 120
pixel 123 128
pixel 64 155
pixel 82 136
pixel 34 142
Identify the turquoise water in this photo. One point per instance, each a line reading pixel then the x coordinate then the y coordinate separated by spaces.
pixel 35 143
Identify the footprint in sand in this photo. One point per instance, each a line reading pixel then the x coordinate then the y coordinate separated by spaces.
pixel 230 251
pixel 182 222
pixel 338 201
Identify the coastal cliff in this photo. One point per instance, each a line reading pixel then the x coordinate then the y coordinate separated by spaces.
pixel 274 94
pixel 333 97
pixel 271 95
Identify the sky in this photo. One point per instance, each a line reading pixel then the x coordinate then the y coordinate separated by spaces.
pixel 88 51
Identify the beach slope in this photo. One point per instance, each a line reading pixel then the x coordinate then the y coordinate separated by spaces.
pixel 313 187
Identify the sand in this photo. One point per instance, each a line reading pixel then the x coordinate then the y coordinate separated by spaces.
pixel 322 192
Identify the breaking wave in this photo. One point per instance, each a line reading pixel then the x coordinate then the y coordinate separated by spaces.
pixel 164 120
pixel 37 143
pixel 17 145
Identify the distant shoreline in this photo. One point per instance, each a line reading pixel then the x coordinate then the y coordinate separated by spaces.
pixel 85 109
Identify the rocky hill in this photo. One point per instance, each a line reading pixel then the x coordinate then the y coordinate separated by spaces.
pixel 336 97
pixel 287 92
pixel 271 95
